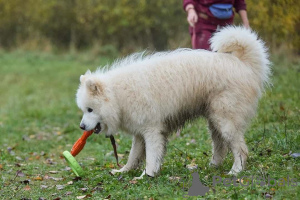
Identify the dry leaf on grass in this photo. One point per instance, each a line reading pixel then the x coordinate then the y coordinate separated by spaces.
pixel 84 196
pixel 53 172
pixel 38 178
pixel 44 186
pixel 174 178
pixel 133 181
pixel 20 173
pixel 56 179
pixel 97 189
pixel 68 193
pixel 70 183
pixel 60 187
pixel 26 188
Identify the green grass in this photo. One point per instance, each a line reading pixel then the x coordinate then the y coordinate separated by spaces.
pixel 39 119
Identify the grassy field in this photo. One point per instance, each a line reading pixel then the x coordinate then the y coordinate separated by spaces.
pixel 39 119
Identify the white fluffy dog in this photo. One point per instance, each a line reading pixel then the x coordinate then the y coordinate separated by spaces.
pixel 151 96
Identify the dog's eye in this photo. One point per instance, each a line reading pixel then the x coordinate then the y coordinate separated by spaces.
pixel 90 110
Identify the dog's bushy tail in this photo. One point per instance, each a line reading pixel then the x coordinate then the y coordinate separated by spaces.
pixel 244 44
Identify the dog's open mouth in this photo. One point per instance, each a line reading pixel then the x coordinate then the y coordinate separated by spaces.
pixel 97 129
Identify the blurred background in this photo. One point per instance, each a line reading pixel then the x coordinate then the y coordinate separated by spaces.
pixel 125 26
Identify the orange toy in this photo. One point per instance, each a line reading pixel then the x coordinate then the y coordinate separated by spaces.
pixel 79 144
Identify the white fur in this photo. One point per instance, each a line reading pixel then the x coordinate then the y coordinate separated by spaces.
pixel 149 96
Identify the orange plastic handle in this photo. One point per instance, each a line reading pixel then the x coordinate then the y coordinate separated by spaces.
pixel 79 144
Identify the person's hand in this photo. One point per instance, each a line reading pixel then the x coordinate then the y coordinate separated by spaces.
pixel 246 25
pixel 192 17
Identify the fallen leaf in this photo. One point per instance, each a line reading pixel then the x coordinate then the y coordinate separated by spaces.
pixel 26 188
pixel 53 172
pixel 97 189
pixel 38 178
pixel 57 198
pixel 42 198
pixel 56 179
pixel 84 196
pixel 268 196
pixel 19 158
pixel 192 166
pixel 133 181
pixel 20 173
pixel 83 189
pixel 50 161
pixel 67 168
pixel 108 197
pixel 60 187
pixel 44 186
pixel 46 177
pixel 1 167
pixel 70 183
pixel 68 193
pixel 174 178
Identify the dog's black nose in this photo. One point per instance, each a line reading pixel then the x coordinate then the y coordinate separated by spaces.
pixel 82 126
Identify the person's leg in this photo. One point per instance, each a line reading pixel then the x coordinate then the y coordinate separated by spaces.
pixel 201 40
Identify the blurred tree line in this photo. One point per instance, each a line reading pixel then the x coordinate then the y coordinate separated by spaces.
pixel 129 25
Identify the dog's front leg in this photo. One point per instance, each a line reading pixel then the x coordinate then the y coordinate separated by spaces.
pixel 136 156
pixel 155 143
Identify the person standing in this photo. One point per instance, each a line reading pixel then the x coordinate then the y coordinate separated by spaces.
pixel 207 16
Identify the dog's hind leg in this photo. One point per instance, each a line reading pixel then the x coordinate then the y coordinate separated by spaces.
pixel 136 156
pixel 233 135
pixel 155 143
pixel 220 148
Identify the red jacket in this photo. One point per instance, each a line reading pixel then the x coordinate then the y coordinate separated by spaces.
pixel 203 7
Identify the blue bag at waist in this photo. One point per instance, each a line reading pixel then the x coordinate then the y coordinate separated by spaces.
pixel 221 10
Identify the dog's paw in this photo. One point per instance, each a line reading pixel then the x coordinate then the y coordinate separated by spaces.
pixel 140 177
pixel 115 171
pixel 137 178
pixel 232 172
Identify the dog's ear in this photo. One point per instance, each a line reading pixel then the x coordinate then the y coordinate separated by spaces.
pixel 83 77
pixel 88 72
pixel 95 86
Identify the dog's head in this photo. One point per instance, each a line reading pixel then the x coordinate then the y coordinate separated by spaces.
pixel 93 99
